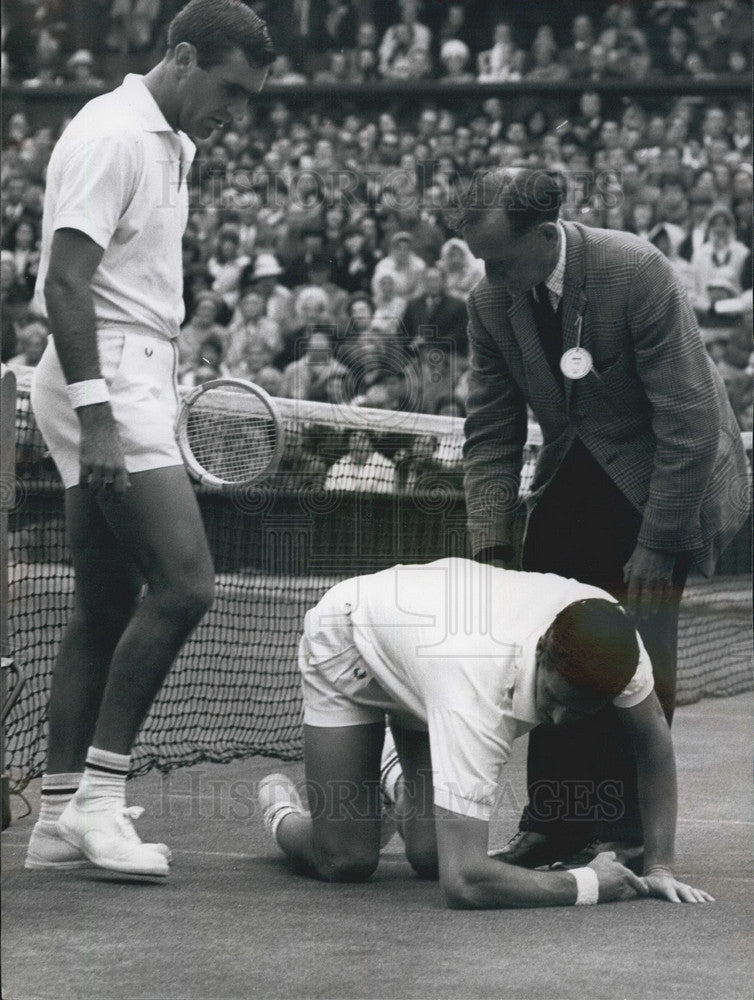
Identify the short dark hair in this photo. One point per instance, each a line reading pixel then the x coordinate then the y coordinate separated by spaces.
pixel 217 27
pixel 528 195
pixel 593 645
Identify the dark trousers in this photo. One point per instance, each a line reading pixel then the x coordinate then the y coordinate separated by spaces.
pixel 582 777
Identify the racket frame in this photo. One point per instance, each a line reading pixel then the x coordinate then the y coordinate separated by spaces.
pixel 200 474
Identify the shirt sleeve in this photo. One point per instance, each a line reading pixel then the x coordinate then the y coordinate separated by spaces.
pixel 641 684
pixel 98 180
pixel 467 756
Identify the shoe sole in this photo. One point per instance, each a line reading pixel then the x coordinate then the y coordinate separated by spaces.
pixel 41 866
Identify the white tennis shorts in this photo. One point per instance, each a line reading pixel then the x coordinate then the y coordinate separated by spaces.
pixel 337 685
pixel 140 371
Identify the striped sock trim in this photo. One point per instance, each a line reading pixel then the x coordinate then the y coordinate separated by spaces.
pixel 107 762
pixel 390 774
pixel 101 769
pixel 275 815
pixel 57 791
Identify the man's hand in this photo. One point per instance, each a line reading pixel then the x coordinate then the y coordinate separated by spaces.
pixel 649 575
pixel 616 882
pixel 663 884
pixel 102 462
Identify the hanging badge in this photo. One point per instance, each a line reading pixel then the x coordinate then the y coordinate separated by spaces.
pixel 576 363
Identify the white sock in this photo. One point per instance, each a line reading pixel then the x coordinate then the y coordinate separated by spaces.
pixel 276 816
pixel 104 777
pixel 57 792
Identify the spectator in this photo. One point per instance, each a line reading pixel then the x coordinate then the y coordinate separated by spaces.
pixel 253 361
pixel 206 364
pixel 301 468
pixel 460 268
pixel 132 24
pixel 741 129
pixel 14 305
pixel 599 64
pixel 405 267
pixel 717 266
pixel 370 356
pixel 363 469
pixel 364 60
pixel 667 245
pixel 248 326
pixel 226 264
pixel 545 66
pixel 641 219
pixel 454 57
pixel 262 276
pixel 435 370
pixel 401 38
pixel 389 306
pixel 283 74
pixel 340 25
pixel 47 63
pixel 700 205
pixel 436 317
pixel 576 58
pixel 417 468
pixel 672 58
pixel 357 263
pixel 307 377
pixel 202 325
pixel 587 124
pixel 338 70
pixel 320 275
pixel 22 242
pixel 80 68
pixel 311 309
pixel 32 340
pixel 297 252
pixel 503 62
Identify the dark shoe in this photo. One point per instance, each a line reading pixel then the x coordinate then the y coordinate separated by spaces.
pixel 529 849
pixel 630 855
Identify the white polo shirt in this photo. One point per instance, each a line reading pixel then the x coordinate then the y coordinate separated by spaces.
pixel 118 174
pixel 454 643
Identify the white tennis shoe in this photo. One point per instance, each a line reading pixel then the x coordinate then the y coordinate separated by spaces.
pixel 47 851
pixel 106 836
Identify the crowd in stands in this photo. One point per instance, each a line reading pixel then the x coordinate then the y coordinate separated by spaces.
pixel 362 41
pixel 321 262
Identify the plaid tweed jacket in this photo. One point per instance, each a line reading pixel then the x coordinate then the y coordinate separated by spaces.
pixel 653 411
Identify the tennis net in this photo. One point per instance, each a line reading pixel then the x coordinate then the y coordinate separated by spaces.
pixel 278 547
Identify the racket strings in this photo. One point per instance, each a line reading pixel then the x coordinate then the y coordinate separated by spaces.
pixel 231 435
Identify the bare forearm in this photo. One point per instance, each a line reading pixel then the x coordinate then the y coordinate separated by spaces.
pixel 70 312
pixel 658 797
pixel 496 885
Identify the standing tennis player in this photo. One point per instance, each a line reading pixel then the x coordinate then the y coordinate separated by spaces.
pixel 642 472
pixel 105 400
pixel 465 658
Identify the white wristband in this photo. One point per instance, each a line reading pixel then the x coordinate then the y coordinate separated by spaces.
pixel 94 390
pixel 587 886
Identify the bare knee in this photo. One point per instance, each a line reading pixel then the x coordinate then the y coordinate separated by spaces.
pixel 189 600
pixel 356 866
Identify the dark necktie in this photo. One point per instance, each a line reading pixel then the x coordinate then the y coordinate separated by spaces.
pixel 549 327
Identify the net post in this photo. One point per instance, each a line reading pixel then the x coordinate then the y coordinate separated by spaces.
pixel 7 502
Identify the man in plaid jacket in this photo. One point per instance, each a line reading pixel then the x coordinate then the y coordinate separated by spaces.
pixel 642 473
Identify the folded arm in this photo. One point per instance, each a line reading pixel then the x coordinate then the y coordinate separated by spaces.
pixel 471 880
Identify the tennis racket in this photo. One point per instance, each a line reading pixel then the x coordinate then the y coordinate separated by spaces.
pixel 230 433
